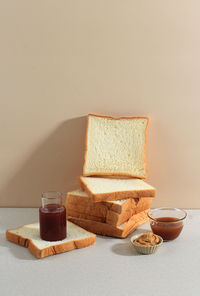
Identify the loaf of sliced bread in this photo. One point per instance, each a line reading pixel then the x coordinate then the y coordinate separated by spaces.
pixel 115 146
pixel 105 189
pixel 121 231
pixel 79 205
pixel 29 237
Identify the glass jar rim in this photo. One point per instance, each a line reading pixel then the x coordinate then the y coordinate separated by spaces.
pixel 56 194
pixel 167 208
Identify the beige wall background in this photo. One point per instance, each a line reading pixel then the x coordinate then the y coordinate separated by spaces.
pixel 63 59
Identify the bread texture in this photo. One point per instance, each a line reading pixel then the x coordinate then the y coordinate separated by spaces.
pixel 81 197
pixel 115 146
pixel 29 237
pixel 105 189
pixel 121 231
pixel 79 205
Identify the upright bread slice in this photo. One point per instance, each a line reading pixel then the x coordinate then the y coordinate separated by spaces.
pixel 121 231
pixel 29 237
pixel 78 205
pixel 115 146
pixel 105 189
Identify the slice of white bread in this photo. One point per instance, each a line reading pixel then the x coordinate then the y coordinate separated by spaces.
pixel 78 204
pixel 29 237
pixel 121 231
pixel 105 189
pixel 115 146
pixel 81 197
pixel 82 202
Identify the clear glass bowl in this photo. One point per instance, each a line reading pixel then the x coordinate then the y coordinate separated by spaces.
pixel 167 222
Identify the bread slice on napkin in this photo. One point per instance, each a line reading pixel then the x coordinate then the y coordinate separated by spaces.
pixel 115 146
pixel 105 189
pixel 29 237
pixel 120 231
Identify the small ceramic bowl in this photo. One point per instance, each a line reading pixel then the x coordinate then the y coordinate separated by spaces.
pixel 145 249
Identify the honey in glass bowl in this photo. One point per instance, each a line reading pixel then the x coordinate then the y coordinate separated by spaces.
pixel 167 222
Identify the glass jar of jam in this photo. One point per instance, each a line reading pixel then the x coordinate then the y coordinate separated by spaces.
pixel 52 217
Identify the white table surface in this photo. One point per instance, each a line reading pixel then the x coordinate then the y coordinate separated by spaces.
pixel 110 267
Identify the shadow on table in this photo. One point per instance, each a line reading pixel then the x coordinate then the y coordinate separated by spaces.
pixel 17 251
pixel 125 248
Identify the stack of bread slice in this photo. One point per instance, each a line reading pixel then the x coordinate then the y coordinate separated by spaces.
pixel 113 199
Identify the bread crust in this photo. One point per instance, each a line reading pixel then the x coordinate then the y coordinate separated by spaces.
pixel 118 208
pixel 51 250
pixel 86 202
pixel 118 195
pixel 116 174
pixel 86 137
pixel 93 211
pixel 115 219
pixel 110 230
pixel 104 205
pixel 88 209
pixel 74 212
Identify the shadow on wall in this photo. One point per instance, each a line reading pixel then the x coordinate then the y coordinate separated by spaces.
pixel 55 165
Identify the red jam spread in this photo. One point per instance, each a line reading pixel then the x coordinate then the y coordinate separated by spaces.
pixel 52 222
